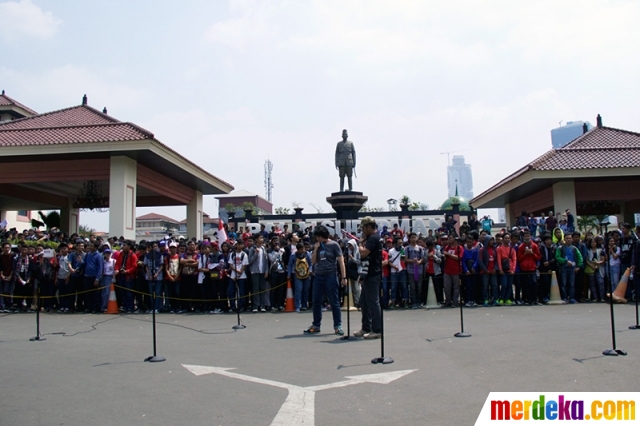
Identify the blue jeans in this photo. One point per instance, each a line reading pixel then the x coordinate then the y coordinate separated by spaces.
pixel 326 284
pixel 615 276
pixel 506 283
pixel 301 292
pixel 486 279
pixel 105 291
pixel 155 287
pixel 568 282
pixel 398 279
pixel 232 295
pixel 384 286
pixel 127 297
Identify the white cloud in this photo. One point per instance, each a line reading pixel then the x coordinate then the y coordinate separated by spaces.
pixel 23 18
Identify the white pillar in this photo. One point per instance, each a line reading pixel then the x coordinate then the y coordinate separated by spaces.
pixel 564 197
pixel 509 216
pixel 194 216
pixel 69 218
pixel 122 197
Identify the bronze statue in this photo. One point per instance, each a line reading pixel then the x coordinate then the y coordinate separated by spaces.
pixel 345 159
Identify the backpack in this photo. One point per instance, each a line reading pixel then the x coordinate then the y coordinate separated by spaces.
pixel 352 270
pixel 302 268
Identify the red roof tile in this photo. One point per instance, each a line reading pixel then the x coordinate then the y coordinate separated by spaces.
pixel 6 100
pixel 156 216
pixel 82 115
pixel 599 148
pixel 72 134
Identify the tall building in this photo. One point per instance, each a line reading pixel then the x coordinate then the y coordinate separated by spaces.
pixel 564 134
pixel 459 173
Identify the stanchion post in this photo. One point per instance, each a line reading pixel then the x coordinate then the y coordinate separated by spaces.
pixel 155 357
pixel 38 337
pixel 636 326
pixel 614 351
pixel 238 326
pixel 462 332
pixel 382 359
pixel 348 336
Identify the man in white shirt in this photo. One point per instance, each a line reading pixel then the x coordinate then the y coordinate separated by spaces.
pixel 398 274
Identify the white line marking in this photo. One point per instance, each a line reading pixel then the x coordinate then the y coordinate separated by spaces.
pixel 299 407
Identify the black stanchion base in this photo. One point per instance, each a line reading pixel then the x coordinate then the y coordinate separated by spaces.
pixel 614 352
pixel 155 359
pixel 239 327
pixel 37 339
pixel 634 327
pixel 462 334
pixel 382 360
pixel 348 338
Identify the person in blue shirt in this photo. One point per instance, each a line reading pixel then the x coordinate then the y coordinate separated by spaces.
pixel 76 266
pixel 469 277
pixel 93 268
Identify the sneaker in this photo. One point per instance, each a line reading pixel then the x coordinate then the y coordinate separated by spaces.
pixel 255 310
pixel 298 310
pixel 360 333
pixel 508 303
pixel 262 309
pixel 218 311
pixel 312 330
pixel 572 301
pixel 496 303
pixel 339 331
pixel 372 335
pixel 486 303
pixel 303 309
pixel 280 308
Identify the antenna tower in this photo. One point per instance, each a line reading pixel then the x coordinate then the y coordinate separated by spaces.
pixel 268 183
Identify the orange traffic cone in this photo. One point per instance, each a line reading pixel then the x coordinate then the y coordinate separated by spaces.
pixel 112 307
pixel 621 289
pixel 554 296
pixel 289 305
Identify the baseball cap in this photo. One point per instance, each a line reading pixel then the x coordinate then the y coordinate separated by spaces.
pixel 367 220
pixel 173 245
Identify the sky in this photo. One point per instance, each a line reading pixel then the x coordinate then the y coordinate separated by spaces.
pixel 231 84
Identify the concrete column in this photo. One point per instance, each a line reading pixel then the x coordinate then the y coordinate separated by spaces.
pixel 509 216
pixel 122 197
pixel 194 216
pixel 564 197
pixel 69 218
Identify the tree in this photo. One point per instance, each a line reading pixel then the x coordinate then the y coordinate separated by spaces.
pixel 250 206
pixel 405 200
pixel 416 205
pixel 367 209
pixel 318 209
pixel 295 204
pixel 230 207
pixel 282 210
pixel 85 230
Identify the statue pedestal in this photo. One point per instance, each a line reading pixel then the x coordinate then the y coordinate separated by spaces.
pixel 347 204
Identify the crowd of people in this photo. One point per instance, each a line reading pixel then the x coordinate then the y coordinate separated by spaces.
pixel 249 272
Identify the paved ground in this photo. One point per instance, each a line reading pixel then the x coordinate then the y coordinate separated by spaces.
pixel 95 374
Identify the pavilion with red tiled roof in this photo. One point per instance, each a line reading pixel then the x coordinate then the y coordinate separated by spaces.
pixel 81 158
pixel 595 174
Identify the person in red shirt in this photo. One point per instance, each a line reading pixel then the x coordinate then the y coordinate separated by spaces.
pixel 486 264
pixel 453 253
pixel 396 231
pixel 507 269
pixel 528 258
pixel 386 279
pixel 172 273
pixel 125 272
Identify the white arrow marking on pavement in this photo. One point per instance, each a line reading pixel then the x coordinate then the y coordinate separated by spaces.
pixel 299 407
